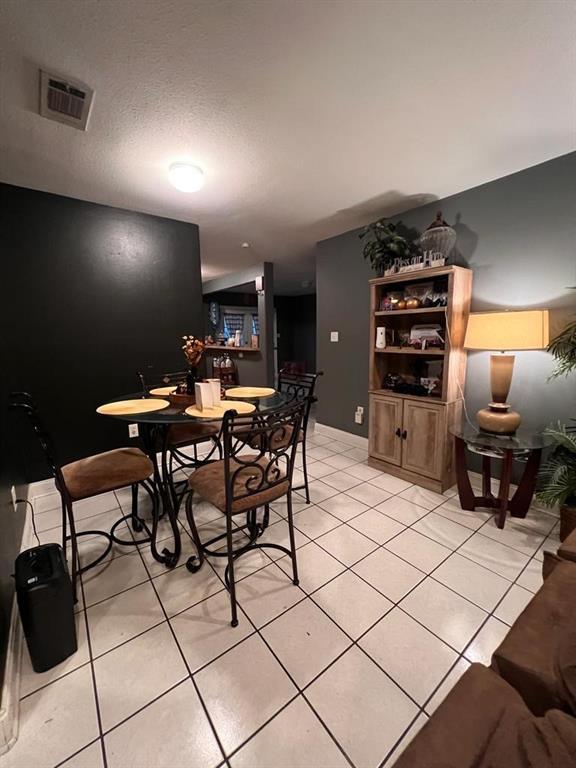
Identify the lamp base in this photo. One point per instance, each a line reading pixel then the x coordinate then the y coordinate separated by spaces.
pixel 498 419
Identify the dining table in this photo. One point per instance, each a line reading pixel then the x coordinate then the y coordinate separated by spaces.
pixel 153 426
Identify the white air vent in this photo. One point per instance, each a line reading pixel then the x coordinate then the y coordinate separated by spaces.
pixel 64 100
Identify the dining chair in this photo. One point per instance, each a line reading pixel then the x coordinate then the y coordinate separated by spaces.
pixel 89 477
pixel 180 436
pixel 243 482
pixel 300 386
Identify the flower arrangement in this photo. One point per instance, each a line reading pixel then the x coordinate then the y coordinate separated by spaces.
pixel 193 349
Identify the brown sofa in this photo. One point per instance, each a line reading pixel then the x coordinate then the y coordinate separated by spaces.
pixel 483 723
pixel 520 713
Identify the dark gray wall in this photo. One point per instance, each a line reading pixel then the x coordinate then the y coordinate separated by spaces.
pixel 518 234
pixel 94 294
pixel 91 294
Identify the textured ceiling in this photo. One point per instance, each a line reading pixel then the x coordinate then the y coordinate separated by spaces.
pixel 309 117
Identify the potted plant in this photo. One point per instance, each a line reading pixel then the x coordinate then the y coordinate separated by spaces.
pixel 386 244
pixel 557 480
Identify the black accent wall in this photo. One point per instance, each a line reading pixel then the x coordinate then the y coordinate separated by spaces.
pixel 94 293
pixel 90 294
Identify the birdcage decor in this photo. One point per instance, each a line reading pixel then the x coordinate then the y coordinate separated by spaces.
pixel 437 242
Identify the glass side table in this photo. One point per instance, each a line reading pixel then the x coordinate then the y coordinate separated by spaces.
pixel 524 446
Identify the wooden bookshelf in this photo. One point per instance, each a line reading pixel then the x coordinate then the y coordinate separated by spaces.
pixel 409 435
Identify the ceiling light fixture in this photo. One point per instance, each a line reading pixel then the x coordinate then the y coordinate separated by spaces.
pixel 245 245
pixel 186 177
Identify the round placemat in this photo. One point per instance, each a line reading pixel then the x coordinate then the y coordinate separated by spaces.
pixel 218 411
pixel 250 392
pixel 163 391
pixel 125 407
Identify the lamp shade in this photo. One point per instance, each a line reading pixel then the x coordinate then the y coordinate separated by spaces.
pixel 525 329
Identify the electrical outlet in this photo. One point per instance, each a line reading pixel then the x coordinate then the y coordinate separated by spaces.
pixel 333 335
pixel 133 430
pixel 359 415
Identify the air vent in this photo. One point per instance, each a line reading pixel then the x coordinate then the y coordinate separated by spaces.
pixel 64 100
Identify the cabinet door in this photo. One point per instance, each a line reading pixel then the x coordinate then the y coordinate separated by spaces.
pixel 385 420
pixel 424 438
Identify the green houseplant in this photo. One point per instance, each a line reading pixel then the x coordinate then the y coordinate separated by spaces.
pixel 386 243
pixel 557 479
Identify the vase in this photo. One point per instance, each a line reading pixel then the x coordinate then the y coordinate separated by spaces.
pixel 438 240
pixel 191 379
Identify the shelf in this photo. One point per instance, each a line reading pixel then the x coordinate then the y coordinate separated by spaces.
pixel 419 311
pixel 402 396
pixel 219 348
pixel 409 351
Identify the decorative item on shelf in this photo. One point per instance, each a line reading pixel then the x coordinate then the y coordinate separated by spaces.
pixel 221 340
pixel 237 338
pixel 426 337
pixel 437 242
pixel 404 338
pixel 193 350
pixel 412 264
pixel 513 330
pixel 412 302
pixel 208 340
pixel 255 341
pixel 216 363
pixel 387 248
pixel 433 385
pixel 391 380
pixel 400 304
pixel 381 337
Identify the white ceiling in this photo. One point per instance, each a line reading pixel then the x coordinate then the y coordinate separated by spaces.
pixel 309 117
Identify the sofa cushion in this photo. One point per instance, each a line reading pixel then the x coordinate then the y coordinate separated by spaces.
pixel 106 472
pixel 208 481
pixel 567 550
pixel 528 656
pixel 483 723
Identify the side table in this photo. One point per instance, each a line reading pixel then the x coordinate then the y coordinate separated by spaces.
pixel 524 445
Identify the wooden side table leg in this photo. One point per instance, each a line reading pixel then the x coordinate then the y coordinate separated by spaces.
pixel 486 477
pixel 465 492
pixel 504 489
pixel 520 503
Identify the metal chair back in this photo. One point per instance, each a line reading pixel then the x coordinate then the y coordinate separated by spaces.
pixel 269 461
pixel 24 402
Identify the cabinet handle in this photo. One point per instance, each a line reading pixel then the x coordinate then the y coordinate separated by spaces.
pixel 398 432
pixel 404 435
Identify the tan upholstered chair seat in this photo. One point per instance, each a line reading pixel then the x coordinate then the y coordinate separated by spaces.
pixel 208 481
pixel 183 434
pixel 528 658
pixel 106 472
pixel 483 723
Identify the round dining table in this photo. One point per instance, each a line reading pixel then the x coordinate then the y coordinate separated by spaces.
pixel 153 428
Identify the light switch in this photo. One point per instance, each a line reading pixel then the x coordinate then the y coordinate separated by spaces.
pixel 333 335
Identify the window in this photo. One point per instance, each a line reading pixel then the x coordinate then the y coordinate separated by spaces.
pixel 233 321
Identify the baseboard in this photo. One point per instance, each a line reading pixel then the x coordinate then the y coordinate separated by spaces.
pixel 356 441
pixel 10 692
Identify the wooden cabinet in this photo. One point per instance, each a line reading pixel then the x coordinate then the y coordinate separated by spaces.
pixel 385 424
pixel 422 438
pixel 410 438
pixel 409 434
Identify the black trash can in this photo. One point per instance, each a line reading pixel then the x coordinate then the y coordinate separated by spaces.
pixel 46 604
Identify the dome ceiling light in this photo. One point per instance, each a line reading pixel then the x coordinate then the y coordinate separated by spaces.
pixel 186 177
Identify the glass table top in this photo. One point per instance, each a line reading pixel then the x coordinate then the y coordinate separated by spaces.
pixel 175 413
pixel 522 440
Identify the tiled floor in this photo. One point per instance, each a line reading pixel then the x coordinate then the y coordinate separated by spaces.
pixel 399 591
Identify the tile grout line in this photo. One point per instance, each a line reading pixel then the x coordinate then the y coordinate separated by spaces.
pixel 309 540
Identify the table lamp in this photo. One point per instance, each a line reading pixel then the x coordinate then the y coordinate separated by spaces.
pixel 513 330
